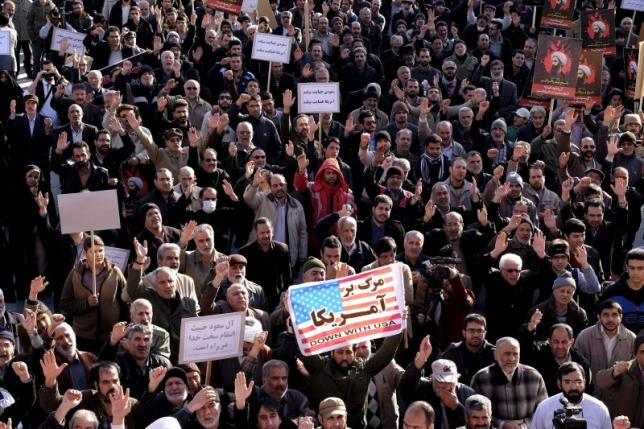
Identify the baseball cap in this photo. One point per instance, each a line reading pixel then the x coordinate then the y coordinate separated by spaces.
pixel 332 407
pixel 444 371
pixel 522 112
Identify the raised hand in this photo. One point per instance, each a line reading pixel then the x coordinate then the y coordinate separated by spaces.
pixel 619 188
pixel 423 353
pixel 141 250
pixel 581 255
pixel 500 192
pixel 302 163
pixel 418 190
pixel 430 211
pixel 162 103
pixel 500 245
pixel 221 267
pixel 564 159
pixel 21 370
pixel 228 190
pixel 612 147
pixel 345 210
pixel 71 399
pixel 287 99
pixel 249 169
pixel 481 216
pixel 119 331
pixel 550 220
pixel 535 320
pixel 498 172
pixel 242 390
pixel 188 232
pixel 193 137
pixel 539 244
pixel 621 422
pixel 12 108
pixel 62 143
pixel 38 284
pixel 50 369
pixel 155 377
pixel 28 321
pixel 121 405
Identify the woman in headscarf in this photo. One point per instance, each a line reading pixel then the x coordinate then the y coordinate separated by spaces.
pixel 9 90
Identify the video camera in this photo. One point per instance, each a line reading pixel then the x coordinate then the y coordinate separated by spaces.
pixel 438 271
pixel 565 418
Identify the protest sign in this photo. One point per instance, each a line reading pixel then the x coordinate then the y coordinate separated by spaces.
pixel 88 211
pixel 136 61
pixel 5 43
pixel 249 6
pixel 318 97
pixel 74 38
pixel 271 48
pixel 231 6
pixel 639 81
pixel 598 31
pixel 210 338
pixel 589 78
pixel 631 65
pixel 264 9
pixel 558 14
pixel 633 4
pixel 335 313
pixel 555 70
pixel 118 257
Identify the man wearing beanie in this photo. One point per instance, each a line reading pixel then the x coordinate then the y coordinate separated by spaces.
pixel 407 206
pixel 559 308
pixel 400 120
pixel 496 149
pixel 313 270
pixel 509 200
pixel 624 381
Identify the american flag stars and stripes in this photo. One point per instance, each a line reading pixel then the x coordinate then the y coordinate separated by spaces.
pixel 334 313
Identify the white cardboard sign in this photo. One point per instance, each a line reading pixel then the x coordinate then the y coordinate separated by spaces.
pixel 270 47
pixel 75 40
pixel 88 211
pixel 5 43
pixel 211 337
pixel 249 6
pixel 118 257
pixel 633 4
pixel 318 97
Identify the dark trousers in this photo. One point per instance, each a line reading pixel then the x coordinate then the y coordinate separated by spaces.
pixel 25 45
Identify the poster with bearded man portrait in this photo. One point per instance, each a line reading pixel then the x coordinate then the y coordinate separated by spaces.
pixel 555 71
pixel 598 31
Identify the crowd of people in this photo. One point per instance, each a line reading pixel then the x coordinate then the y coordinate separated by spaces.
pixel 519 228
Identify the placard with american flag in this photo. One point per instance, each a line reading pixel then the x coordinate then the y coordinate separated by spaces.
pixel 334 313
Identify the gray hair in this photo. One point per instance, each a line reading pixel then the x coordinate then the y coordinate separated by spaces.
pixel 166 247
pixel 413 233
pixel 465 109
pixel 510 257
pixel 396 38
pixel 205 227
pixel 144 329
pixel 272 364
pixel 478 403
pixel 84 414
pixel 402 162
pixel 187 169
pixel 504 340
pixel 347 219
pixel 140 302
pixel 169 271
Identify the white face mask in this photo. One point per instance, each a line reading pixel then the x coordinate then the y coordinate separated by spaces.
pixel 209 206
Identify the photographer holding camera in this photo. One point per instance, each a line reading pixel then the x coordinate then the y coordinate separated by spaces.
pixel 572 408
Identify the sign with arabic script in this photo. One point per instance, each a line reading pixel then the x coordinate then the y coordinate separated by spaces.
pixel 271 47
pixel 211 337
pixel 318 97
pixel 335 313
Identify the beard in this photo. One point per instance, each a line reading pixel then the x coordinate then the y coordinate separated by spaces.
pixel 178 398
pixel 68 352
pixel 574 396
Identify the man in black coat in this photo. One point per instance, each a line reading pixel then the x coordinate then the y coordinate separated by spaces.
pixel 380 224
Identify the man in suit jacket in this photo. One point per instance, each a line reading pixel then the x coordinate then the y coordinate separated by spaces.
pixel 29 137
pixel 77 130
pixel 91 112
pixel 501 92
